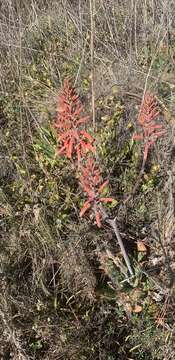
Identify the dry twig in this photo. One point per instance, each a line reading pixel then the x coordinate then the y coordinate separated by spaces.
pixel 92 16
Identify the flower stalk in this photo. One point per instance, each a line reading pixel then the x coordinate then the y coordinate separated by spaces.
pixel 77 144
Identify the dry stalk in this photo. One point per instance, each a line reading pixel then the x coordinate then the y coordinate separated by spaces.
pixel 92 18
pixel 112 223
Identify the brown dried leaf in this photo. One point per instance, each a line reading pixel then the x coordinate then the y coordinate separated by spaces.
pixel 141 247
pixel 137 309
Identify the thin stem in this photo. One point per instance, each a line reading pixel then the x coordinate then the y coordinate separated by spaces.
pixel 92 17
pixel 117 234
pixel 112 223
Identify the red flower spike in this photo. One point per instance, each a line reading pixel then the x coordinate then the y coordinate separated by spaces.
pixel 85 208
pixel 102 187
pixel 93 184
pixel 74 140
pixel 75 143
pixel 106 200
pixel 69 148
pixel 87 136
pixel 98 218
pixel 150 130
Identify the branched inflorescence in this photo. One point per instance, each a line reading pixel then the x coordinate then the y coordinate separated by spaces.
pixel 76 144
pixel 151 131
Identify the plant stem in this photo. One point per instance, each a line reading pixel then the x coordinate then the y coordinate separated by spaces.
pixel 112 223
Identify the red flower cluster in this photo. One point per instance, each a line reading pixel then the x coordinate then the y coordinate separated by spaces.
pixel 150 130
pixel 69 123
pixel 93 184
pixel 76 142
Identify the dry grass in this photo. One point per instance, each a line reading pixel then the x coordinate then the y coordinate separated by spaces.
pixel 62 289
